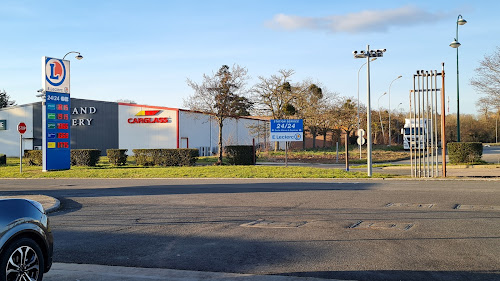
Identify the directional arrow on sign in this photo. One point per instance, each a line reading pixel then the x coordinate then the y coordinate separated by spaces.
pixel 361 132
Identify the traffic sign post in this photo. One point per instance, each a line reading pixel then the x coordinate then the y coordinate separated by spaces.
pixel 287 130
pixel 361 140
pixel 21 128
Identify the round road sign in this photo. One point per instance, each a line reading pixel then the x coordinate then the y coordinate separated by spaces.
pixel 361 132
pixel 21 127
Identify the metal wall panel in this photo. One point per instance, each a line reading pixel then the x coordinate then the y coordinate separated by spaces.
pixel 94 125
pixel 142 126
pixel 9 138
pixel 37 125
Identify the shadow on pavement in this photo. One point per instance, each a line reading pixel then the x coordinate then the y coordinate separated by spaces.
pixel 407 275
pixel 198 189
pixel 167 251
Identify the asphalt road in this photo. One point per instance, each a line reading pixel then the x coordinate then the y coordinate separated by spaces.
pixel 342 229
pixel 491 154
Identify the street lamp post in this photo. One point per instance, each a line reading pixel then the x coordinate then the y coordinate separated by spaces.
pixel 390 108
pixel 359 120
pixel 455 44
pixel 380 116
pixel 368 54
pixel 78 57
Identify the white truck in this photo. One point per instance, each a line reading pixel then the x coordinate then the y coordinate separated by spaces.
pixel 416 131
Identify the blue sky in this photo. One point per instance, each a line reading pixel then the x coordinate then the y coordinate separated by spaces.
pixel 145 50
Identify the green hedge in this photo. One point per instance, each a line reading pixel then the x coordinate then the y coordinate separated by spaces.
pixel 465 152
pixel 240 154
pixel 79 157
pixel 3 159
pixel 166 157
pixel 85 157
pixel 117 157
pixel 33 157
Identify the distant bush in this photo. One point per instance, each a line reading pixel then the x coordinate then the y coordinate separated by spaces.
pixel 166 157
pixel 117 157
pixel 188 156
pixel 85 157
pixel 240 154
pixel 3 159
pixel 33 157
pixel 465 152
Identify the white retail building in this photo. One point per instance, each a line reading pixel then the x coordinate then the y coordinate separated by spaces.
pixel 103 125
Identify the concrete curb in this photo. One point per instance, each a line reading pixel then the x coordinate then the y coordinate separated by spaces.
pixel 83 272
pixel 448 167
pixel 50 204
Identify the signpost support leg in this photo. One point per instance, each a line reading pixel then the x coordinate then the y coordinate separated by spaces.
pixel 347 151
pixel 21 154
pixel 337 153
pixel 286 154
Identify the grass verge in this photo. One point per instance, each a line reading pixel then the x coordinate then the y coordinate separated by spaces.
pixel 103 170
pixel 380 154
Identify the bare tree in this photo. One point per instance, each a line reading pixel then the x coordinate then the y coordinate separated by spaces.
pixel 345 115
pixel 313 103
pixel 126 101
pixel 487 81
pixel 222 95
pixel 308 104
pixel 274 95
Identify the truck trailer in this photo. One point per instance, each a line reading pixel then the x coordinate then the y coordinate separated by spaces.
pixel 416 133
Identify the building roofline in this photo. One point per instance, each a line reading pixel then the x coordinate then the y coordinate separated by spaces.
pixel 145 105
pixel 19 106
pixel 261 118
pixel 241 117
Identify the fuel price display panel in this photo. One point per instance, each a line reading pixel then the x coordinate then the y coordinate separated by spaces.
pixel 57 111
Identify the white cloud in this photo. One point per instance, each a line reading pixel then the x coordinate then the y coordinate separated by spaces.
pixel 364 21
pixel 292 22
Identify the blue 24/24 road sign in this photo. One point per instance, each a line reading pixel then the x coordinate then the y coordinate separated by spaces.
pixel 287 130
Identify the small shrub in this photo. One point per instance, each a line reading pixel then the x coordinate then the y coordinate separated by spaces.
pixel 33 157
pixel 240 154
pixel 166 157
pixel 143 157
pixel 117 157
pixel 85 157
pixel 465 152
pixel 3 159
pixel 188 156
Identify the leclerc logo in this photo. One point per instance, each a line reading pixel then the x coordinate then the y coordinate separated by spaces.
pixel 55 71
pixel 148 120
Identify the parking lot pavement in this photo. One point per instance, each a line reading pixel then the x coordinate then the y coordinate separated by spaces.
pixel 84 272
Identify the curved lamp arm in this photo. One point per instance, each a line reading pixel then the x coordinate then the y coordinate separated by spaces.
pixel 78 57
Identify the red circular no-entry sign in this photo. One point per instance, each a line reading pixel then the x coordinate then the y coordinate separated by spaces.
pixel 21 127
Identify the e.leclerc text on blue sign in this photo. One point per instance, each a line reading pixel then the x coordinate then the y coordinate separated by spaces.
pixel 287 130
